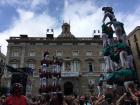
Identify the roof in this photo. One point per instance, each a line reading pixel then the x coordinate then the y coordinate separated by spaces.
pixel 66 31
pixel 133 31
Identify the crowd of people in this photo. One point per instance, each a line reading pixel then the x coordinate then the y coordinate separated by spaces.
pixel 111 96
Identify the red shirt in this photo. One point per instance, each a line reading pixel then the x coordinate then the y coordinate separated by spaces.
pixel 16 100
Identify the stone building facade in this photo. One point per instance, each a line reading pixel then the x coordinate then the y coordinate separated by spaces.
pixel 133 40
pixel 82 56
pixel 2 57
pixel 2 63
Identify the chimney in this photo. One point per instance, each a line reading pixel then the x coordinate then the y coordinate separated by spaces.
pixel 23 36
pixel 96 33
pixel 50 33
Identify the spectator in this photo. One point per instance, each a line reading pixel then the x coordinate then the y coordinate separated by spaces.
pixel 16 97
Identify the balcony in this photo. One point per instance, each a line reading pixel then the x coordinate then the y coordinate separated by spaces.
pixel 70 74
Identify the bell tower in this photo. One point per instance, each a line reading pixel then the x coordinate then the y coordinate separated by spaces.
pixel 66 31
pixel 66 28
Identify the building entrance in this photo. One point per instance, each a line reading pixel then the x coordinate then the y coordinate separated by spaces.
pixel 68 88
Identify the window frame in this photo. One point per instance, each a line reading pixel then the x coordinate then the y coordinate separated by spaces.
pixel 15 53
pixel 31 53
pixel 89 53
pixel 57 54
pixel 74 52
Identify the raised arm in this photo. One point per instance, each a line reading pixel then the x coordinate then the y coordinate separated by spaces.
pixel 120 99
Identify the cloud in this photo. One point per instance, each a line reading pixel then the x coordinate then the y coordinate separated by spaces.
pixel 28 23
pixel 32 24
pixel 25 15
pixel 28 4
pixel 35 3
pixel 84 17
pixel 130 20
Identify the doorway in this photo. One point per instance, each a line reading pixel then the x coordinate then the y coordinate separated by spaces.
pixel 68 88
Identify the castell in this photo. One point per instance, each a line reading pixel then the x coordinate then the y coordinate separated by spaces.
pixel 50 75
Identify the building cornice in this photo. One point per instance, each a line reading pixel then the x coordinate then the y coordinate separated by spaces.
pixel 44 39
pixel 132 32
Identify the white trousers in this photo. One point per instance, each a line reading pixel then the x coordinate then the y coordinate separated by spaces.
pixel 123 59
pixel 108 64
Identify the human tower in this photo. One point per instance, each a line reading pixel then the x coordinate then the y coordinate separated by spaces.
pixel 50 74
pixel 119 69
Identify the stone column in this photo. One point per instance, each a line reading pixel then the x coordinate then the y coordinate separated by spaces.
pixel 22 56
pixel 8 54
pixel 7 59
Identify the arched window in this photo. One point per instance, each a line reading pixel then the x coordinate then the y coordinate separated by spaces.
pixel 90 67
pixel 68 88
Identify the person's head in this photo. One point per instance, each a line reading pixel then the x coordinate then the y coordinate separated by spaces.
pixel 92 98
pixel 33 99
pixel 82 100
pixel 46 55
pixel 68 99
pixel 108 9
pixel 131 86
pixel 115 49
pixel 108 98
pixel 3 98
pixel 16 89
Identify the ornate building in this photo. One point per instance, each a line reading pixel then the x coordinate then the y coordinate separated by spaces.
pixel 133 40
pixel 2 62
pixel 2 58
pixel 81 57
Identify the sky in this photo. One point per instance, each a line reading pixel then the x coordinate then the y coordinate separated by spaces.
pixel 33 17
